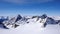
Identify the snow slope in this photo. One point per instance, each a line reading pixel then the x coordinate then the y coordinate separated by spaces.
pixel 32 29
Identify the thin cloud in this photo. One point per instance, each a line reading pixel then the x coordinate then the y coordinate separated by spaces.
pixel 26 1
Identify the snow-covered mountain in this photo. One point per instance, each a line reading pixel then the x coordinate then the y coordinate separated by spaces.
pixel 19 20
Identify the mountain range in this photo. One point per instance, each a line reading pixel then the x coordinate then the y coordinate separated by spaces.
pixel 18 20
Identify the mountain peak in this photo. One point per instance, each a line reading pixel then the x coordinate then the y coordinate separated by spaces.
pixel 43 16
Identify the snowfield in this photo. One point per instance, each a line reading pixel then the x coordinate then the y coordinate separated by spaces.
pixel 32 28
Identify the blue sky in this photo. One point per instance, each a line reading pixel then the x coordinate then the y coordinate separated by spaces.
pixel 30 7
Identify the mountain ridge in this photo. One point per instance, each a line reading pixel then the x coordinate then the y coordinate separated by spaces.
pixel 18 20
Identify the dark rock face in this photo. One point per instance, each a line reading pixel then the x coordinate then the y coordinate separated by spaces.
pixel 50 21
pixel 18 18
pixel 58 21
pixel 34 17
pixel 27 22
pixel 43 16
pixel 1 22
pixel 24 19
pixel 45 24
pixel 3 19
pixel 5 27
pixel 16 25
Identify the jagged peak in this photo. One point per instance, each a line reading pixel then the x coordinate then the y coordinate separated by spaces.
pixel 18 17
pixel 43 16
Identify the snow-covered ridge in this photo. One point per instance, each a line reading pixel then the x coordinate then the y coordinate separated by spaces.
pixel 18 20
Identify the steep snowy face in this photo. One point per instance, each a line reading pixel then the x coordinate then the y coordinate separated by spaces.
pixel 12 22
